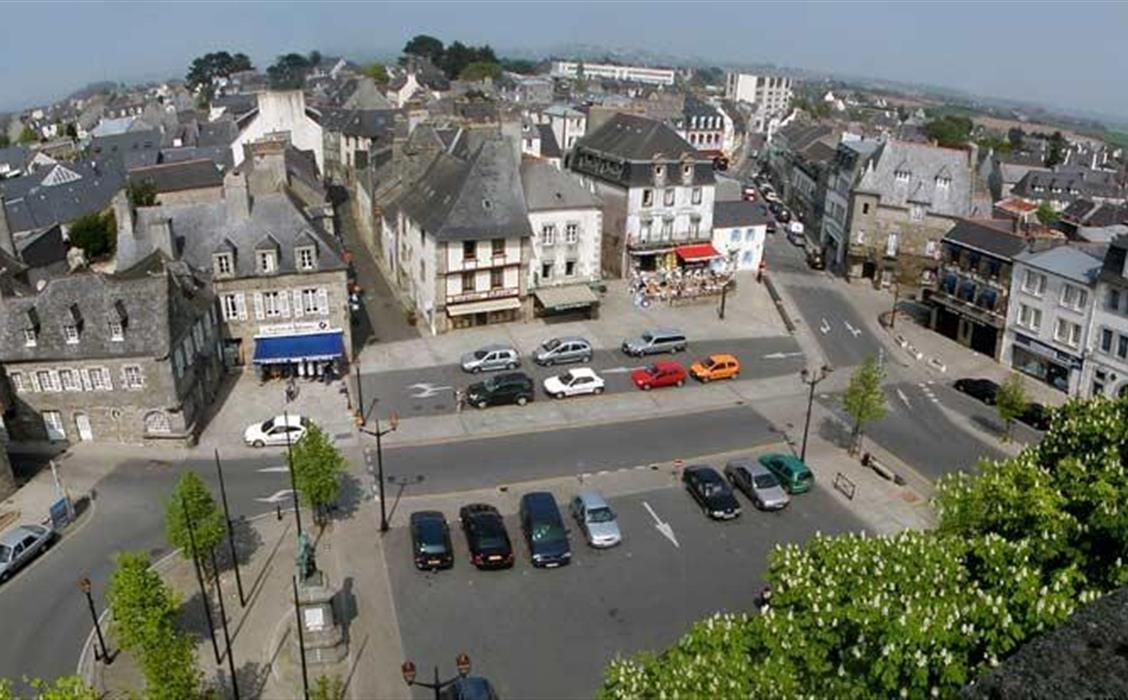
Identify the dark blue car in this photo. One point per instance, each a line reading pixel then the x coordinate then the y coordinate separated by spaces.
pixel 544 530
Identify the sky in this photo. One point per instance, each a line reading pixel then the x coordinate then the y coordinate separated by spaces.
pixel 1063 55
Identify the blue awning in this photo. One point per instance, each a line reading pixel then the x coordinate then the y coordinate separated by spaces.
pixel 292 348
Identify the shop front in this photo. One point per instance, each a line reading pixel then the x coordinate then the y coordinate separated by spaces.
pixel 570 301
pixel 484 312
pixel 1038 360
pixel 311 350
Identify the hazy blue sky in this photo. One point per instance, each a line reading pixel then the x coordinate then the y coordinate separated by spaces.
pixel 1065 55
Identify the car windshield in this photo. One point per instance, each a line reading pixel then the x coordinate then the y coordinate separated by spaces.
pixel 431 537
pixel 712 488
pixel 552 344
pixel 479 354
pixel 268 425
pixel 600 515
pixel 652 369
pixel 547 532
pixel 491 384
pixel 708 362
pixel 566 377
pixel 5 552
pixel 765 481
pixel 647 337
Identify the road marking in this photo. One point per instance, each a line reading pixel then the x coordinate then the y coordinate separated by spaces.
pixel 824 327
pixel 901 395
pixel 267 470
pixel 425 390
pixel 665 528
pixel 853 331
pixel 277 497
pixel 619 370
pixel 782 355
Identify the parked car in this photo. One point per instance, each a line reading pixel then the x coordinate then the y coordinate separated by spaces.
pixel 500 389
pixel 815 259
pixel 561 350
pixel 660 374
pixel 469 688
pixel 1036 416
pixel 796 238
pixel 20 545
pixel 771 227
pixel 490 358
pixel 486 536
pixel 760 485
pixel 718 366
pixel 783 215
pixel 711 492
pixel 793 475
pixel 598 522
pixel 985 390
pixel 276 431
pixel 544 530
pixel 656 341
pixel 430 540
pixel 775 207
pixel 576 382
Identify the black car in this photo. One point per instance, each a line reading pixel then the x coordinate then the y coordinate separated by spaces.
pixel 711 491
pixel 544 530
pixel 430 541
pixel 815 259
pixel 985 390
pixel 1036 416
pixel 486 536
pixel 500 389
pixel 775 208
pixel 783 216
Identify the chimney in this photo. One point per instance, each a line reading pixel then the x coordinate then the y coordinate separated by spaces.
pixel 160 231
pixel 236 195
pixel 123 213
pixel 268 167
pixel 7 243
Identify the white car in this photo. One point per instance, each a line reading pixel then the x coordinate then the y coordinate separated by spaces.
pixel 275 431
pixel 581 380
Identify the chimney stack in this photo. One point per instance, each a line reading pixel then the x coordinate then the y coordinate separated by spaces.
pixel 123 213
pixel 7 243
pixel 161 233
pixel 236 196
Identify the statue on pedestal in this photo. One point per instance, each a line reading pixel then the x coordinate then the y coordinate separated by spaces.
pixel 307 564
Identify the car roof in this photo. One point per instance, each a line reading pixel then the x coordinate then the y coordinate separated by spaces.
pixel 538 499
pixel 663 331
pixel 15 535
pixel 667 364
pixel 592 499
pixel 280 419
pixel 495 346
pixel 582 372
pixel 509 376
pixel 790 460
pixel 472 509
pixel 569 339
pixel 722 357
pixel 423 515
pixel 704 469
pixel 753 466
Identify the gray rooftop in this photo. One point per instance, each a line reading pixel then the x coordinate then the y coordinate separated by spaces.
pixel 927 167
pixel 547 188
pixel 632 137
pixel 1069 183
pixel 730 214
pixel 548 146
pixel 985 239
pixel 60 193
pixel 1065 261
pixel 177 176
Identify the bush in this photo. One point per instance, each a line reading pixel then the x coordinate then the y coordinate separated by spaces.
pixel 96 234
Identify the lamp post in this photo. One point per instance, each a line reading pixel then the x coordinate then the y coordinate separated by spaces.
pixel 811 379
pixel 223 619
pixel 301 637
pixel 393 423
pixel 230 535
pixel 290 464
pixel 462 662
pixel 104 654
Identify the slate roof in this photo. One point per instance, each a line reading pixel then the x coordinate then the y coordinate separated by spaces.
pixel 732 214
pixel 15 157
pixel 1065 261
pixel 925 165
pixel 632 137
pixel 986 239
pixel 32 202
pixel 548 146
pixel 135 149
pixel 467 199
pixel 547 188
pixel 177 176
pixel 368 123
pixel 1072 183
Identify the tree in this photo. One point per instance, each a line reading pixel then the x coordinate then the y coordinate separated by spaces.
pixel 5 141
pixel 480 70
pixel 142 193
pixel 205 69
pixel 95 233
pixel 949 131
pixel 425 46
pixel 1047 215
pixel 191 494
pixel 325 688
pixel 289 71
pixel 318 466
pixel 864 400
pixel 144 612
pixel 519 65
pixel 28 135
pixel 62 688
pixel 1056 153
pixel 377 72
pixel 1010 403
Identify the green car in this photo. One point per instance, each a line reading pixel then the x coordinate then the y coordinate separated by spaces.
pixel 790 470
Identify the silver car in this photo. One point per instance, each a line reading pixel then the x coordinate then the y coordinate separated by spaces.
pixel 561 350
pixel 655 341
pixel 490 358
pixel 20 545
pixel 596 519
pixel 760 485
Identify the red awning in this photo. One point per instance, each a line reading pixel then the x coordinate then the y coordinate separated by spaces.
pixel 700 251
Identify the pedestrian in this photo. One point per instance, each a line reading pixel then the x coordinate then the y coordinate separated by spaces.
pixel 291 390
pixel 765 601
pixel 459 400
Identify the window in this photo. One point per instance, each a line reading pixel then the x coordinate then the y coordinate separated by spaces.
pixel 70 332
pixel 891 245
pixel 1034 283
pixel 497 246
pixel 571 233
pixel 69 380
pixel 569 268
pixel 310 301
pixel 423 269
pixel 647 198
pixel 224 264
pixel 17 380
pixel 29 337
pixel 659 171
pixel 117 332
pixel 497 279
pixel 1113 301
pixel 131 375
pixel 548 234
pixel 1122 346
pixel 916 212
pixel 230 307
pixel 157 422
pixel 1074 297
pixel 306 258
pixel 1067 332
pixel 645 228
pixel 468 283
pixel 668 197
pixel 48 381
pixel 1029 317
pixel 1106 340
pixel 178 363
pixel 943 182
pixel 901 175
pixel 546 271
pixel 694 227
pixel 266 262
pixel 695 197
pixel 100 379
pixel 687 171
pixel 734 237
pixel 271 304
pixel 667 227
pixel 469 250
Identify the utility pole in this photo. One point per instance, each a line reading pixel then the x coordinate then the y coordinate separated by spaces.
pixel 223 619
pixel 811 379
pixel 393 423
pixel 293 483
pixel 301 638
pixel 230 534
pixel 200 579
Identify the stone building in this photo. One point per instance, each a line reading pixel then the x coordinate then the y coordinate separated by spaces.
pixel 1106 368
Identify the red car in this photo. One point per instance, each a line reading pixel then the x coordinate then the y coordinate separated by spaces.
pixel 661 373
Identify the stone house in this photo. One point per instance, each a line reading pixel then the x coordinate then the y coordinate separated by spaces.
pixel 280 115
pixel 1105 371
pixel 197 180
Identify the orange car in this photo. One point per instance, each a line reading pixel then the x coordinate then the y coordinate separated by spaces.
pixel 721 366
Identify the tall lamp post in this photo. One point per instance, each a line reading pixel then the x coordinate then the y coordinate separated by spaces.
pixel 290 464
pixel 104 654
pixel 393 423
pixel 462 662
pixel 811 379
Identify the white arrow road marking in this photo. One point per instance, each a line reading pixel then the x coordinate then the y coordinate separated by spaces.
pixel 277 497
pixel 905 399
pixel 665 528
pixel 824 327
pixel 426 390
pixel 854 331
pixel 781 355
pixel 266 470
pixel 618 370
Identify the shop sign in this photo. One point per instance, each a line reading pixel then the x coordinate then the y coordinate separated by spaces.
pixel 1048 352
pixel 294 328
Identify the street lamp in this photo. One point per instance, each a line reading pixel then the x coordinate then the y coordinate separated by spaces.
pixel 462 662
pixel 104 655
pixel 811 379
pixel 393 423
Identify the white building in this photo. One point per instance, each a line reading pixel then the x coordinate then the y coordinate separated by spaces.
pixel 608 71
pixel 1049 315
pixel 770 96
pixel 739 231
pixel 568 125
pixel 1106 365
pixel 281 116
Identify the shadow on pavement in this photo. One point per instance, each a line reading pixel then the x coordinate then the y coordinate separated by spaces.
pixel 349 499
pixel 401 485
pixel 991 426
pixel 247 541
pixel 835 432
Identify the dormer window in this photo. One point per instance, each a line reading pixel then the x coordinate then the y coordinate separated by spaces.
pixel 307 258
pixel 267 262
pixel 901 175
pixel 30 337
pixel 70 333
pixel 659 171
pixel 224 264
pixel 71 323
pixel 117 331
pixel 943 182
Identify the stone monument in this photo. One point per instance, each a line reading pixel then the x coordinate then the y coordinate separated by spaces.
pixel 324 637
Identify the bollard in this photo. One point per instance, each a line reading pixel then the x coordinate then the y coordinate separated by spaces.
pixel 278 511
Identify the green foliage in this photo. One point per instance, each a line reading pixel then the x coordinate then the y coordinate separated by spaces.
pixel 218 64
pixel 996 144
pixel 458 56
pixel 426 46
pixel 864 399
pixel 71 131
pixel 1011 402
pixel 519 65
pixel 949 131
pixel 480 70
pixel 144 614
pixel 191 494
pixel 95 233
pixel 62 688
pixel 289 70
pixel 1015 135
pixel 816 108
pixel 327 688
pixel 28 135
pixel 1047 215
pixel 377 72
pixel 318 466
pixel 1056 153
pixel 142 193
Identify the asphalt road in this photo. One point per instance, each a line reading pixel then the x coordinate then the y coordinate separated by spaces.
pixel 549 633
pixel 430 390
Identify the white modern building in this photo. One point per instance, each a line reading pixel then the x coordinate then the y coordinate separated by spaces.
pixel 568 125
pixel 769 95
pixel 609 71
pixel 281 116
pixel 1106 365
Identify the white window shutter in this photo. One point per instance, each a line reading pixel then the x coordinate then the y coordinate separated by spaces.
pixel 259 313
pixel 124 378
pixel 323 301
pixel 241 306
pixel 178 363
pixel 141 375
pixel 284 304
pixel 56 383
pixel 297 303
pixel 87 383
pixel 108 379
pixel 33 377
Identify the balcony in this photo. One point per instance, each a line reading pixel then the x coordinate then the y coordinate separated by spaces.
pixel 992 317
pixel 1000 282
pixel 498 293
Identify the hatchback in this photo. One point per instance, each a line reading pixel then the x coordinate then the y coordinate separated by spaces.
pixel 279 430
pixel 655 341
pixel 486 536
pixel 20 545
pixel 720 366
pixel 544 530
pixel 500 389
pixel 430 540
pixel 490 358
pixel 985 390
pixel 596 519
pixel 659 374
pixel 576 382
pixel 711 492
pixel 760 485
pixel 790 470
pixel 562 350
